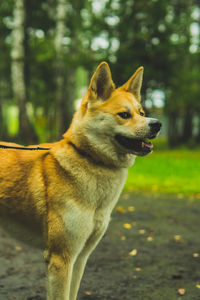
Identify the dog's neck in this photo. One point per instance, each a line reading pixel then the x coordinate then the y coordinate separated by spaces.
pixel 80 152
pixel 98 155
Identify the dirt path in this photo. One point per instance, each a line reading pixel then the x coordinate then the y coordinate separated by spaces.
pixel 162 236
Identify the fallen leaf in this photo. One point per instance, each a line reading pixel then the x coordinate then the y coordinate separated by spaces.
pixel 138 269
pixel 195 254
pixel 149 239
pixel 127 226
pixel 120 209
pixel 181 291
pixel 142 231
pixel 133 252
pixel 178 238
pixel 88 293
pixel 18 248
pixel 131 208
pixel 198 286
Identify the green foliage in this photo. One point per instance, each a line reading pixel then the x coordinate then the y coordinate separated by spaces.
pixel 144 40
pixel 127 34
pixel 164 37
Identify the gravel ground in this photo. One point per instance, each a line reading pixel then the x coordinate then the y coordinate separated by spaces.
pixel 150 251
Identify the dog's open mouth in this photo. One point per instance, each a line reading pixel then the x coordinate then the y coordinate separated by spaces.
pixel 140 147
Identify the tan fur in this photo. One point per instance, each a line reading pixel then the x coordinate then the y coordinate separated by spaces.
pixel 67 193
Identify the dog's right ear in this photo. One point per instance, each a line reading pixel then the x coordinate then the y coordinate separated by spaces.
pixel 101 84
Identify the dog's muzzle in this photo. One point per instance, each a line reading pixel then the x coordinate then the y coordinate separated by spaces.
pixel 140 146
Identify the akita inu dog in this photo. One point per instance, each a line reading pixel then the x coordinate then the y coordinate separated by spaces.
pixel 68 191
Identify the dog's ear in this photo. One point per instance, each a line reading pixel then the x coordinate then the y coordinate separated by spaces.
pixel 134 84
pixel 101 84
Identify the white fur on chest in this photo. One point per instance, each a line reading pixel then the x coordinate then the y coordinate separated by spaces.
pixel 99 187
pixel 91 213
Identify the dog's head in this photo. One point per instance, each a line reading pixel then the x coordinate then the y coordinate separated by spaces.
pixel 111 121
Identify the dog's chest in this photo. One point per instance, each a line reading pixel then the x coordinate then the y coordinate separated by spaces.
pixel 90 211
pixel 102 188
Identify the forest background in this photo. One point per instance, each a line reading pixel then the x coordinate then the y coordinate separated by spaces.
pixel 50 48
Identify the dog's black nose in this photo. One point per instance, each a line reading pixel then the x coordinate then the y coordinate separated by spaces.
pixel 155 126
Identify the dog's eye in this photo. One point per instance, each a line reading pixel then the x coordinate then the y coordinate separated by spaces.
pixel 125 115
pixel 142 113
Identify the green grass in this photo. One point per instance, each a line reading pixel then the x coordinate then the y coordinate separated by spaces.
pixel 167 171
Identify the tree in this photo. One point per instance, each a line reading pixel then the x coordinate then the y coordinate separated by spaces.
pixel 157 34
pixel 182 103
pixel 57 37
pixel 5 92
pixel 59 67
pixel 70 54
pixel 26 131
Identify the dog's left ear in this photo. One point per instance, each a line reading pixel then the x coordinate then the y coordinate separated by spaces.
pixel 134 84
pixel 101 84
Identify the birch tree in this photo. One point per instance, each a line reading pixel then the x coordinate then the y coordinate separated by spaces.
pixel 59 35
pixel 26 132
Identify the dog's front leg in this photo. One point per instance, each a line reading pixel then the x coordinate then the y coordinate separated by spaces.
pixel 59 274
pixel 81 260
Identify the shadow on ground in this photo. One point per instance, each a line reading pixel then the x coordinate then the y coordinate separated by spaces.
pixel 150 251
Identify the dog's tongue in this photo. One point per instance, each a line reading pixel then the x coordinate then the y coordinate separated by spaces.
pixel 148 145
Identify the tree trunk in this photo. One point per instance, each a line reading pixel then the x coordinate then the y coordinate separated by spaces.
pixel 26 132
pixel 3 129
pixel 59 67
pixel 173 136
pixel 187 127
pixel 65 76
